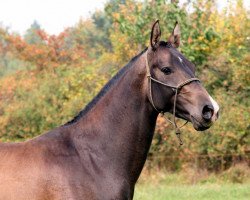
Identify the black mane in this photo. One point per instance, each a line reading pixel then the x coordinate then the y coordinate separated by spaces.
pixel 104 90
pixel 165 44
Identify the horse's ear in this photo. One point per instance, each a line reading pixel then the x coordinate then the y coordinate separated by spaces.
pixel 175 37
pixel 155 35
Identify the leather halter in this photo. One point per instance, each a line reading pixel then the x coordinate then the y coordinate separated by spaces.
pixel 175 88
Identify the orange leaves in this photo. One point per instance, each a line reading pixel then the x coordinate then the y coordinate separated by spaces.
pixel 42 34
pixel 50 51
pixel 9 84
pixel 218 42
pixel 16 43
pixel 7 87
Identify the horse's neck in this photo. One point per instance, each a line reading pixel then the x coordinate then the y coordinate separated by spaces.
pixel 118 130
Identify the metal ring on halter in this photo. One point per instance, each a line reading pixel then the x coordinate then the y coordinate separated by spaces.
pixel 176 88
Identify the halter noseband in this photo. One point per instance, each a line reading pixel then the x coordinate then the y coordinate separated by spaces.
pixel 176 88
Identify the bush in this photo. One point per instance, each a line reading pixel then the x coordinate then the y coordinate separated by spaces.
pixel 239 173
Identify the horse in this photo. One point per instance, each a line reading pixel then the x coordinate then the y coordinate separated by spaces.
pixel 100 153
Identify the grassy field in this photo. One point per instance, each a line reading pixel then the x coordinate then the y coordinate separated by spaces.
pixel 193 192
pixel 191 185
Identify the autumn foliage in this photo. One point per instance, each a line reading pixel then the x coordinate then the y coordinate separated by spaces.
pixel 47 79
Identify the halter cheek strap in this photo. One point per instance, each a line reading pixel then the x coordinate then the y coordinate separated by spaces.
pixel 176 89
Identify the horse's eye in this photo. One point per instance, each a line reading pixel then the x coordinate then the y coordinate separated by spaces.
pixel 166 70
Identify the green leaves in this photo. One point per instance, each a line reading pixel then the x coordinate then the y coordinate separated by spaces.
pixel 60 74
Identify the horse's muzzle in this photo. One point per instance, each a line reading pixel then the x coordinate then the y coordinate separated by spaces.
pixel 200 126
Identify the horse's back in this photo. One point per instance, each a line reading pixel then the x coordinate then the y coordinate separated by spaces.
pixel 19 169
pixel 47 167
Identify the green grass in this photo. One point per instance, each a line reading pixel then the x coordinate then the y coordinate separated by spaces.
pixel 190 184
pixel 147 191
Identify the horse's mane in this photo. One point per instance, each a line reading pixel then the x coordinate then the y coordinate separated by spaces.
pixel 104 90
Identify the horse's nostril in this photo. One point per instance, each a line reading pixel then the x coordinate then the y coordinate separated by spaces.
pixel 207 112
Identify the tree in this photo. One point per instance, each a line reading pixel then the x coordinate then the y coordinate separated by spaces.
pixel 31 36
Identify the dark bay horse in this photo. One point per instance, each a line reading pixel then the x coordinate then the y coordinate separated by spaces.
pixel 100 154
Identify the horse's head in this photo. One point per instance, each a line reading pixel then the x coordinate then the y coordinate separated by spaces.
pixel 172 76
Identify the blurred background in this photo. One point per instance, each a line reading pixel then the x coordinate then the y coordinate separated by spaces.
pixel 56 55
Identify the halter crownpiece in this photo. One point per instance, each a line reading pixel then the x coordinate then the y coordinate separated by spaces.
pixel 176 88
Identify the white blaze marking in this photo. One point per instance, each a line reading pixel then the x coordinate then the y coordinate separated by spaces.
pixel 216 107
pixel 180 59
